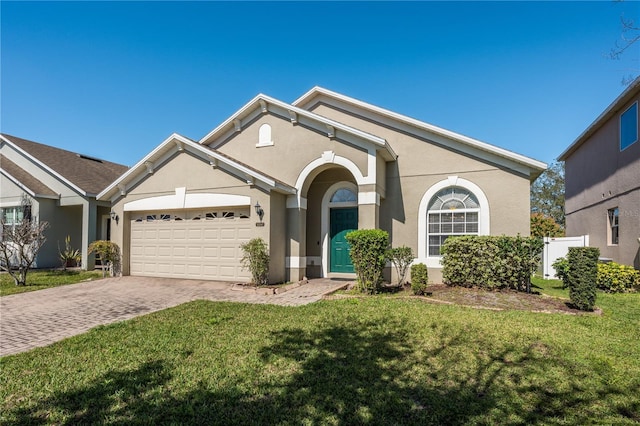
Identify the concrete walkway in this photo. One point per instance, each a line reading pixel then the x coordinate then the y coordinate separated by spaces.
pixel 39 318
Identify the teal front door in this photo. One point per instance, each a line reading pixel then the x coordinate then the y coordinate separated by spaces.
pixel 342 222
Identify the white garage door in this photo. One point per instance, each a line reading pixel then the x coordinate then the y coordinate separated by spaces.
pixel 190 244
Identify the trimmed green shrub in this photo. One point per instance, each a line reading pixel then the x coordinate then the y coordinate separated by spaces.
pixel 255 258
pixel 582 276
pixel 109 254
pixel 490 262
pixel 401 257
pixel 419 279
pixel 561 265
pixel 616 278
pixel 369 255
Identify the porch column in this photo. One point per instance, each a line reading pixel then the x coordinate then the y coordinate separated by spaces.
pixel 89 227
pixel 296 260
pixel 368 209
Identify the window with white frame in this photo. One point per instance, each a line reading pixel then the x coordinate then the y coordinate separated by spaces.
pixel 613 226
pixel 12 216
pixel 629 127
pixel 452 211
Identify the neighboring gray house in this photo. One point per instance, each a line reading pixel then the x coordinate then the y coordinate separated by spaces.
pixel 602 181
pixel 301 176
pixel 62 186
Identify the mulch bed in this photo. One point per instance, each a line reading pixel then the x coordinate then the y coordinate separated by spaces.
pixel 498 300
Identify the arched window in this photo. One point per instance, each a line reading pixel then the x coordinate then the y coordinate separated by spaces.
pixel 452 211
pixel 344 195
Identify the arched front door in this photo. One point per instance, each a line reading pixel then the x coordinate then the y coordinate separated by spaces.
pixel 342 221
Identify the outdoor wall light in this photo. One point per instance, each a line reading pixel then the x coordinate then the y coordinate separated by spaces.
pixel 114 216
pixel 259 210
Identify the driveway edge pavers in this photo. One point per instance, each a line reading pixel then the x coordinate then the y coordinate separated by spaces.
pixel 39 318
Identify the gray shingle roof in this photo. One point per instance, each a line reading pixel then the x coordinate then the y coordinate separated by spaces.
pixel 89 174
pixel 25 178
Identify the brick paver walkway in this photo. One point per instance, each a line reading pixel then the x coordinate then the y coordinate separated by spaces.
pixel 39 318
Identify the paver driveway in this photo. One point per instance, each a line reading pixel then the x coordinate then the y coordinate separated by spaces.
pixel 39 318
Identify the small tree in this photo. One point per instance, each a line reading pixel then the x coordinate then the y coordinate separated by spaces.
pixel 109 254
pixel 544 226
pixel 256 260
pixel 369 255
pixel 401 257
pixel 20 243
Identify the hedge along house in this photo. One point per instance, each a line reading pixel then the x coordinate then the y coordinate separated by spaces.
pixel 316 169
pixel 62 187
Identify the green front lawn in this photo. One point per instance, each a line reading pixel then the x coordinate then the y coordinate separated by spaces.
pixel 377 360
pixel 37 280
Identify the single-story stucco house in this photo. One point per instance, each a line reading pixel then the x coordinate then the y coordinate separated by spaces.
pixel 62 187
pixel 300 176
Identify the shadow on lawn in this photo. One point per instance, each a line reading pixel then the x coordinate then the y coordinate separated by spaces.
pixel 358 373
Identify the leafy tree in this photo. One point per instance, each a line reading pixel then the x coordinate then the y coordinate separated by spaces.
pixel 109 254
pixel 542 226
pixel 401 257
pixel 547 194
pixel 20 243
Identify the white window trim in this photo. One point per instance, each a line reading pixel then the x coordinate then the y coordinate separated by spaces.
pixel 484 225
pixel 264 136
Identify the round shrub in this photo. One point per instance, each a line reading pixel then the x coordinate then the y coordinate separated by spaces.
pixel 419 279
pixel 369 254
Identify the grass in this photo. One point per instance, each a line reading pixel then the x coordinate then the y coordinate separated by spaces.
pixel 37 280
pixel 378 360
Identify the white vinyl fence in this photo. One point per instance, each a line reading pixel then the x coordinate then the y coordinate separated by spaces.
pixel 559 247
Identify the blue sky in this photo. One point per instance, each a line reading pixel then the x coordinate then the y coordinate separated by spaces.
pixel 114 79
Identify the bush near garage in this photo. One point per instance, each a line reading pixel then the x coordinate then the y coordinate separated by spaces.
pixel 490 262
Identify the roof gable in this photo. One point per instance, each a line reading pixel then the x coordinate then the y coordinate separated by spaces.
pixel 86 175
pixel 176 143
pixel 263 104
pixel 423 130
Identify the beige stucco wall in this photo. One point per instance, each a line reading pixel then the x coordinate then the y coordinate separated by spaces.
pixel 420 165
pixel 197 176
pixel 600 177
pixel 295 146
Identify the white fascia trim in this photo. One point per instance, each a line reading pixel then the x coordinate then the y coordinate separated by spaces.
pixel 196 148
pixel 267 100
pixel 47 168
pixel 530 162
pixel 17 183
pixel 182 200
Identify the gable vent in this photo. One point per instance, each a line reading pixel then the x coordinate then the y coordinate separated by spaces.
pixel 86 157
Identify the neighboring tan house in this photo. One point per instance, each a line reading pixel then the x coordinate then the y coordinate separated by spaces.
pixel 602 181
pixel 316 169
pixel 62 187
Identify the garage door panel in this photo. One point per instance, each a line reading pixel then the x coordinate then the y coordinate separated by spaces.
pixel 199 249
